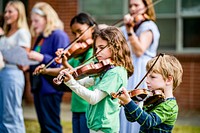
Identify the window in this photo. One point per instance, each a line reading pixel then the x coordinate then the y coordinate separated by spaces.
pixel 191 20
pixel 177 20
pixel 179 25
pixel 104 11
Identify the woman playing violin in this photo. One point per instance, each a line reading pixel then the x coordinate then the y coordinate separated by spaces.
pixel 166 74
pixel 80 25
pixel 142 35
pixel 47 27
pixel 103 113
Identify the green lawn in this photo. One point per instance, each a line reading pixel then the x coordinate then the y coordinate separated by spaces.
pixel 33 127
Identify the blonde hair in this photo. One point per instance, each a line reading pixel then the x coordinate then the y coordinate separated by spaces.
pixel 121 55
pixel 150 9
pixel 21 21
pixel 167 65
pixel 52 18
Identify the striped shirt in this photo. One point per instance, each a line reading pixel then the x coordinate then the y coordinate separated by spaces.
pixel 160 119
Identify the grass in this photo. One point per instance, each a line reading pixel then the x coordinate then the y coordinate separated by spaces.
pixel 186 129
pixel 32 126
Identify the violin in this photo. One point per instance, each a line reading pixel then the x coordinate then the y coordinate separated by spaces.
pixel 73 49
pixel 87 70
pixel 154 96
pixel 138 94
pixel 148 96
pixel 135 95
pixel 137 16
pixel 138 20
pixel 153 100
pixel 77 49
pixel 92 68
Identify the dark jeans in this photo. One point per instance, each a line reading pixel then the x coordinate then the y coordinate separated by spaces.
pixel 48 112
pixel 79 123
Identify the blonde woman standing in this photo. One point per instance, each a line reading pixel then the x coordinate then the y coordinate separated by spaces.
pixel 48 28
pixel 11 76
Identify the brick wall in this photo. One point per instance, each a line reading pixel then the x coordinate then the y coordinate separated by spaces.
pixel 188 92
pixel 66 9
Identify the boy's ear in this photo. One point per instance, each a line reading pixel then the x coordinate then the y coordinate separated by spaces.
pixel 169 80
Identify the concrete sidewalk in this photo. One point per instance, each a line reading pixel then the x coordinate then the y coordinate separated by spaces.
pixel 187 118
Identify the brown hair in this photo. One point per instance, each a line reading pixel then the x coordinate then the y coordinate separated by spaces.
pixel 121 55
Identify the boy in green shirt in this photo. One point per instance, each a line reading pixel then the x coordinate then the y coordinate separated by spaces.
pixel 166 75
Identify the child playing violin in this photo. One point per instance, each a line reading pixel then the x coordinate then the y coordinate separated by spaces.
pixel 80 26
pixel 103 113
pixel 166 74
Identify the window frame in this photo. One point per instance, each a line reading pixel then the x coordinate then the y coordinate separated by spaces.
pixel 178 16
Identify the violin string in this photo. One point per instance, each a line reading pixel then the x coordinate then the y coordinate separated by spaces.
pixel 137 12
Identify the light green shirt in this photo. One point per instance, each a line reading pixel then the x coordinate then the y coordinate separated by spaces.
pixel 104 115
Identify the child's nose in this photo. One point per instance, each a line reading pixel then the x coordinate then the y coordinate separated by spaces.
pixel 147 81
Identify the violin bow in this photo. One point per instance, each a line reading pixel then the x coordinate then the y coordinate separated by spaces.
pixel 161 54
pixel 137 12
pixel 70 44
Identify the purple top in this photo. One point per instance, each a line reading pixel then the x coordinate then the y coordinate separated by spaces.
pixel 58 39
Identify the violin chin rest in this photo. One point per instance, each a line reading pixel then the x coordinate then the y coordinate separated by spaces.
pixel 139 97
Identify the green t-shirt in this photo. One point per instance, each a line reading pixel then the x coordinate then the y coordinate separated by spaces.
pixel 104 115
pixel 77 103
pixel 167 111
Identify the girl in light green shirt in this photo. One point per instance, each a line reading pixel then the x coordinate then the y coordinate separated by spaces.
pixel 103 112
